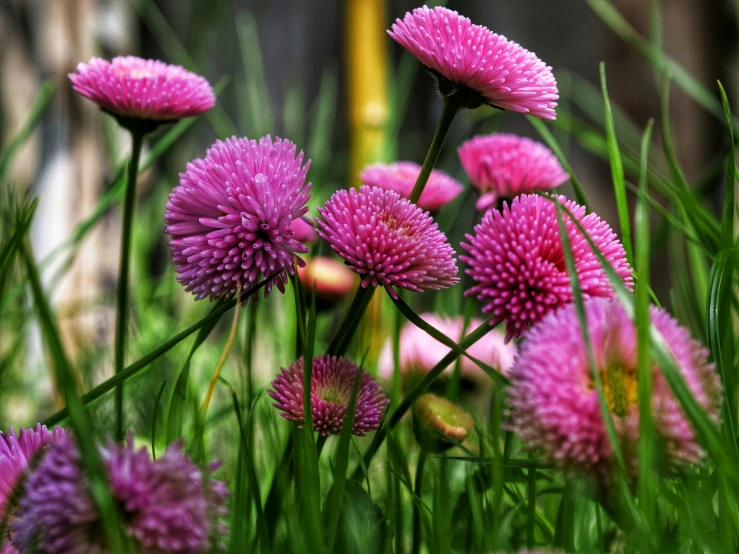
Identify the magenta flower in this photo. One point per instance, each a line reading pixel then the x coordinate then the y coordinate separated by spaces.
pixel 401 176
pixel 553 400
pixel 18 453
pixel 517 260
pixel 230 217
pixel 477 65
pixel 420 352
pixel 168 505
pixel 332 382
pixel 387 240
pixel 503 166
pixel 133 88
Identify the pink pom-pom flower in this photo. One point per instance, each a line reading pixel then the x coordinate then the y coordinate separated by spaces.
pixel 230 217
pixel 168 505
pixel 518 263
pixel 502 165
pixel 401 176
pixel 332 383
pixel 420 352
pixel 553 398
pixel 387 240
pixel 133 88
pixel 476 65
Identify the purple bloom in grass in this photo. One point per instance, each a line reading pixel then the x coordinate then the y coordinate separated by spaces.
pixel 553 398
pixel 230 217
pixel 387 240
pixel 518 262
pixel 143 89
pixel 332 382
pixel 473 61
pixel 167 505
pixel 501 165
pixel 401 176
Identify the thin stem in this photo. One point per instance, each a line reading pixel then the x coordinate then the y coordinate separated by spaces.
pixel 418 489
pixel 221 361
pixel 129 202
pixel 349 326
pixel 447 116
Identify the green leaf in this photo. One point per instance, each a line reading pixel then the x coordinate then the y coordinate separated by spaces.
pixel 154 420
pixel 617 170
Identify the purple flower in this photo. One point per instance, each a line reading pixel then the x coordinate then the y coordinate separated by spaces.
pixel 401 176
pixel 387 240
pixel 517 260
pixel 473 61
pixel 167 505
pixel 332 382
pixel 553 399
pixel 503 166
pixel 230 217
pixel 143 89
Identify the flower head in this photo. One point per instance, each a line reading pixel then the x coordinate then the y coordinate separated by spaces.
pixel 401 176
pixel 387 240
pixel 168 505
pixel 332 382
pixel 553 399
pixel 518 262
pixel 18 453
pixel 304 230
pixel 332 279
pixel 230 216
pixel 477 65
pixel 420 352
pixel 503 166
pixel 133 88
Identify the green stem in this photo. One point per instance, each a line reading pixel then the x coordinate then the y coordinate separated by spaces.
pixel 349 326
pixel 447 116
pixel 416 546
pixel 122 297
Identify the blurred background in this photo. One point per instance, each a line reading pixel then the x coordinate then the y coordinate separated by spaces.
pixel 324 74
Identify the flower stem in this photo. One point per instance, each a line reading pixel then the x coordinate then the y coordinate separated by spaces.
pixel 447 116
pixel 416 546
pixel 122 297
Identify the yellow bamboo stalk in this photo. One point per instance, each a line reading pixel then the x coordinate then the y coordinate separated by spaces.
pixel 368 115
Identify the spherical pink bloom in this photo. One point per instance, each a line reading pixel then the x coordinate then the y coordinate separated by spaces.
pixel 472 61
pixel 230 216
pixel 332 383
pixel 401 176
pixel 420 352
pixel 387 240
pixel 169 505
pixel 18 453
pixel 331 279
pixel 553 399
pixel 518 262
pixel 503 166
pixel 143 89
pixel 304 230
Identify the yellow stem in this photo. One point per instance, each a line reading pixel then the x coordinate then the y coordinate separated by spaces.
pixel 222 360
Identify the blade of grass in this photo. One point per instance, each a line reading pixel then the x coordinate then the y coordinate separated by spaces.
pixel 617 169
pixel 154 420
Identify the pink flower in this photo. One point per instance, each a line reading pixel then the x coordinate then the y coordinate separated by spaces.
pixel 420 352
pixel 18 453
pixel 472 61
pixel 401 176
pixel 503 166
pixel 143 89
pixel 553 399
pixel 332 383
pixel 230 217
pixel 517 260
pixel 331 278
pixel 304 230
pixel 387 240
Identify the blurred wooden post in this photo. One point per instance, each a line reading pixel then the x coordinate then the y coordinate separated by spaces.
pixel 368 115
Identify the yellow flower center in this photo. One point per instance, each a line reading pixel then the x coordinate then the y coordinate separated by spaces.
pixel 620 387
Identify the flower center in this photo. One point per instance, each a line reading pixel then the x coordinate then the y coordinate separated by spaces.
pixel 330 394
pixel 403 229
pixel 620 387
